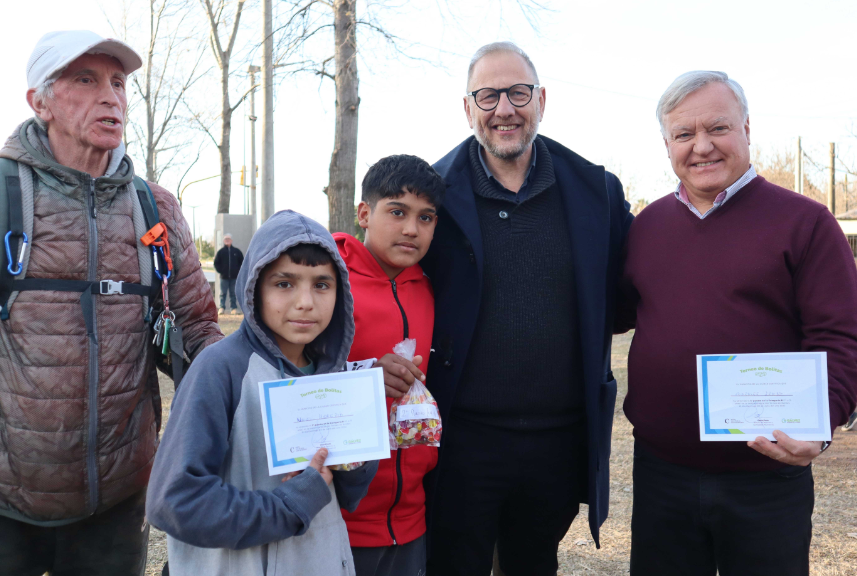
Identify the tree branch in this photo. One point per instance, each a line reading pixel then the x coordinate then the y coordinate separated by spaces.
pixel 234 33
pixel 243 96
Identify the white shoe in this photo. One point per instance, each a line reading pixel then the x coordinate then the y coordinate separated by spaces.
pixel 220 310
pixel 234 312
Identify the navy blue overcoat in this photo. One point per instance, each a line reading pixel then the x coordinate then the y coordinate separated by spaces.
pixel 598 221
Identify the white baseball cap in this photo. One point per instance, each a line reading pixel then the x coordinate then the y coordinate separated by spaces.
pixel 56 50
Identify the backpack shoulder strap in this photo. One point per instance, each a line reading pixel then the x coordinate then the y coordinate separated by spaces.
pixel 11 227
pixel 147 202
pixel 176 366
pixel 151 216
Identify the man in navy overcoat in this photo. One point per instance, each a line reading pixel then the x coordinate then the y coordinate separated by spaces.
pixel 524 264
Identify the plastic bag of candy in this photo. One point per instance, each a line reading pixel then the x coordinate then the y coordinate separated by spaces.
pixel 414 418
pixel 347 467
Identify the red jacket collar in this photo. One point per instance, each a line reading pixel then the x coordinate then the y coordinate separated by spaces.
pixel 360 261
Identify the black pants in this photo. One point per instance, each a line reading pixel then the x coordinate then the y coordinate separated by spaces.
pixel 690 523
pixel 518 489
pixel 112 543
pixel 403 560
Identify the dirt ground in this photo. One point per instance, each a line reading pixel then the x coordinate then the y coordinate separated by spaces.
pixel 834 544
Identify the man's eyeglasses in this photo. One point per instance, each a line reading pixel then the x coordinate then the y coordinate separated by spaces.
pixel 519 96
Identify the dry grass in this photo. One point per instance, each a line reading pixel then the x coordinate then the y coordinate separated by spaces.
pixel 833 552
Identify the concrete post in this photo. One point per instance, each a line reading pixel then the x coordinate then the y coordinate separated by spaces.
pixel 799 168
pixel 831 194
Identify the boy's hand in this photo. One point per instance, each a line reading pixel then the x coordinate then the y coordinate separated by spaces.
pixel 317 462
pixel 399 374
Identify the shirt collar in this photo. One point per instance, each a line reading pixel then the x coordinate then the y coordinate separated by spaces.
pixel 681 193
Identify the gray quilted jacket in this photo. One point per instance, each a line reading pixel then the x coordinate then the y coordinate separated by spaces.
pixel 79 415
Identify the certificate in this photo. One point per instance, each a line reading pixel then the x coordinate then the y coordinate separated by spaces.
pixel 744 396
pixel 344 412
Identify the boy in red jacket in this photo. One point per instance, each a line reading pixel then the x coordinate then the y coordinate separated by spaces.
pixel 393 300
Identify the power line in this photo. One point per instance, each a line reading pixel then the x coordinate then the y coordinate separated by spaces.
pixel 826 167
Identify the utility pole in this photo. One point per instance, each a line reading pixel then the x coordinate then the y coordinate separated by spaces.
pixel 253 70
pixel 268 111
pixel 799 168
pixel 831 196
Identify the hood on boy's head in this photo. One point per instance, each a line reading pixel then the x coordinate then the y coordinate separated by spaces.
pixel 279 233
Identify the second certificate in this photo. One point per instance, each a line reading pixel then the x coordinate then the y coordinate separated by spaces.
pixel 748 395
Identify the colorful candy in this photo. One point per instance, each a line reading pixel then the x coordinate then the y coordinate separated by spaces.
pixel 346 467
pixel 414 418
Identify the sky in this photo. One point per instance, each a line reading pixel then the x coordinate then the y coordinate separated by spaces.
pixel 604 66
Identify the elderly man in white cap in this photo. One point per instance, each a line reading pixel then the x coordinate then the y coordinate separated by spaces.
pixel 93 258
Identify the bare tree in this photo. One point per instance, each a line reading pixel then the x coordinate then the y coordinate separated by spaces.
pixel 778 167
pixel 171 67
pixel 629 187
pixel 343 160
pixel 215 11
pixel 306 19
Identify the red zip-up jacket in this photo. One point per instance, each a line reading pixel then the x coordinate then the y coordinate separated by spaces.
pixel 385 313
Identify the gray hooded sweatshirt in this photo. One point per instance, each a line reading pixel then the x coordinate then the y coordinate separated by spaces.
pixel 210 490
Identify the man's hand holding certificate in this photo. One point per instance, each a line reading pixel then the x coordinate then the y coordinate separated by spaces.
pixel 346 413
pixel 746 396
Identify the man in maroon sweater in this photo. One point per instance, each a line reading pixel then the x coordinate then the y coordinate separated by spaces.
pixel 728 264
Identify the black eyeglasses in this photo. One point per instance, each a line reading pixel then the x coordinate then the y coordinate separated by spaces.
pixel 519 96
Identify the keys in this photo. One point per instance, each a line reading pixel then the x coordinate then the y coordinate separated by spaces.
pixel 163 326
pixel 165 345
pixel 159 334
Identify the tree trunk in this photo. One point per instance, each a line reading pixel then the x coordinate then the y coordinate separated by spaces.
pixel 150 106
pixel 225 134
pixel 343 161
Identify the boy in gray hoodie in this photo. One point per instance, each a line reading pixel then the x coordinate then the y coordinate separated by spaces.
pixel 210 490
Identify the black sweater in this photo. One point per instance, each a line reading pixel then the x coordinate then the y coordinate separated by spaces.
pixel 523 368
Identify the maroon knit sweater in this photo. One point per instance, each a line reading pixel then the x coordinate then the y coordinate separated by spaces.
pixel 768 271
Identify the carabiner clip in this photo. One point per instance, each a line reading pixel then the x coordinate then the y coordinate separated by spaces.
pixel 155 250
pixel 20 254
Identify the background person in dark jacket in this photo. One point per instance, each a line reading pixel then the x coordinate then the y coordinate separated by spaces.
pixel 523 263
pixel 227 262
